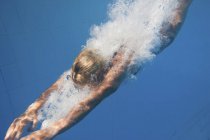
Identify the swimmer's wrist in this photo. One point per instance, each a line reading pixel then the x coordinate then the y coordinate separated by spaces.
pixel 52 132
pixel 58 127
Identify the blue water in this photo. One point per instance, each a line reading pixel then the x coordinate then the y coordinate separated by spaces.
pixel 170 99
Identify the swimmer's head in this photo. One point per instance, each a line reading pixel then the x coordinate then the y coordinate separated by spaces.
pixel 88 68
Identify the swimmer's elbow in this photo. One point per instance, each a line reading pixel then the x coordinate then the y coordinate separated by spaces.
pixel 110 88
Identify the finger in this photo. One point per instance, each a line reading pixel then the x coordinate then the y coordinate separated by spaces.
pixel 10 131
pixel 11 136
pixel 34 124
pixel 19 128
pixel 19 133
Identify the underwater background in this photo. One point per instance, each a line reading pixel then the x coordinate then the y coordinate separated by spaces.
pixel 169 99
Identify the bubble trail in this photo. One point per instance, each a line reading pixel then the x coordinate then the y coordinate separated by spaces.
pixel 135 24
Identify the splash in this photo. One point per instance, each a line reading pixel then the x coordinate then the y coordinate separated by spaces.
pixel 61 101
pixel 134 24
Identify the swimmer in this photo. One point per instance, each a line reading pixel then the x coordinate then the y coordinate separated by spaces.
pixel 103 78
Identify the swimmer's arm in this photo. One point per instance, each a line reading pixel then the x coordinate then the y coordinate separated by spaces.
pixel 34 107
pixel 112 81
pixel 171 27
pixel 30 115
pixel 43 98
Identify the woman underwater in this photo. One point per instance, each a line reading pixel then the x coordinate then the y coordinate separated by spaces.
pixel 92 70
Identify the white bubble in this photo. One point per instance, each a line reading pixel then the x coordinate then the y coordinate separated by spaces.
pixel 134 24
pixel 61 101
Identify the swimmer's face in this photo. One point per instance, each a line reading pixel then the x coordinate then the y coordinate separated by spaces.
pixel 88 68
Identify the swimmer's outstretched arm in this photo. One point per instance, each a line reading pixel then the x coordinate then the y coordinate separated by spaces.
pixel 111 82
pixel 30 115
pixel 171 27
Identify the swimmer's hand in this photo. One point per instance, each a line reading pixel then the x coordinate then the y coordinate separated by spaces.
pixel 30 116
pixel 16 128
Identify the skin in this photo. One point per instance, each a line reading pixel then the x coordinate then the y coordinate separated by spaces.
pixel 112 80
